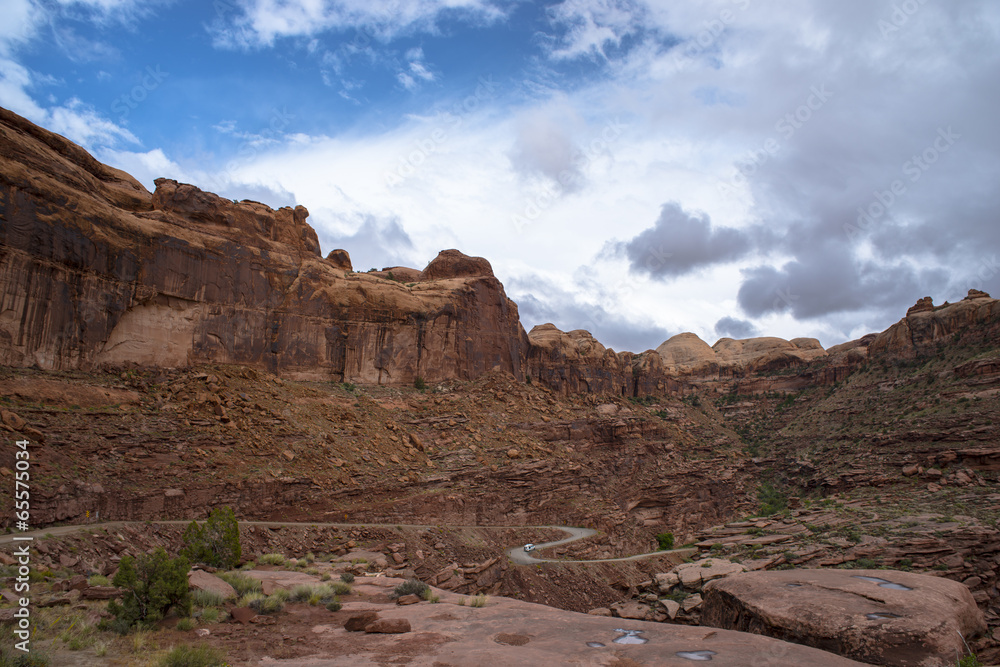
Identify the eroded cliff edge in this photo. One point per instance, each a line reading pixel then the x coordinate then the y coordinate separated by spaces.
pixel 96 270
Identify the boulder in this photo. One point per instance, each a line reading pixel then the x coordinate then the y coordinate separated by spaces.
pixel 695 575
pixel 243 615
pixel 633 610
pixel 340 259
pixel 882 617
pixel 200 580
pixel 671 608
pixel 455 264
pixel 388 626
pixel 359 622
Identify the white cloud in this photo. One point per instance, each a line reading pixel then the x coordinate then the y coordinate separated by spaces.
pixel 261 22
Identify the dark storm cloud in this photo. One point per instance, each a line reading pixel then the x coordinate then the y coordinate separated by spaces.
pixel 735 328
pixel 680 242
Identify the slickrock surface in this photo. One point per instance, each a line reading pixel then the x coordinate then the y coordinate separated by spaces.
pixel 885 617
pixel 510 632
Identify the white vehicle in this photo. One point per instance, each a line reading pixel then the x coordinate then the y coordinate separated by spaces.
pixel 529 547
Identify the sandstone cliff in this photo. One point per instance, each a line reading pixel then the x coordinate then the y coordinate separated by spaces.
pixel 575 362
pixel 926 325
pixel 687 354
pixel 97 270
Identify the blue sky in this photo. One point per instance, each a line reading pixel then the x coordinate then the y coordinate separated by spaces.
pixel 637 169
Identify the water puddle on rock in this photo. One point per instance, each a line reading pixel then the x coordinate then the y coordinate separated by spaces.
pixel 595 645
pixel 794 585
pixel 878 616
pixel 697 656
pixel 896 587
pixel 884 583
pixel 630 637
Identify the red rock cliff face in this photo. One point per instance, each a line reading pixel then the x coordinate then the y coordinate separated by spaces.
pixel 96 270
pixel 925 324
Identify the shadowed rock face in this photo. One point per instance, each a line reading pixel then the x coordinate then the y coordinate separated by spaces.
pixel 576 363
pixel 96 270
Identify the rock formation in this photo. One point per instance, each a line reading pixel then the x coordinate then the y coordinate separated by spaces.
pixel 575 363
pixel 883 617
pixel 96 270
pixel 925 324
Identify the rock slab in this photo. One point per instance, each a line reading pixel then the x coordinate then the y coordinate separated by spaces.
pixel 882 617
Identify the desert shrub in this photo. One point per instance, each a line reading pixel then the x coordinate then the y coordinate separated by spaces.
pixel 347 578
pixel 11 657
pixel 431 597
pixel 192 656
pixel 301 593
pixel 340 588
pixel 478 601
pixel 666 541
pixel 216 542
pixel 419 384
pixel 185 624
pixel 241 582
pixel 271 559
pixel 410 587
pixel 271 604
pixel 210 615
pixel 153 585
pixel 772 500
pixel 334 606
pixel 202 598
pixel 250 599
pixel 98 580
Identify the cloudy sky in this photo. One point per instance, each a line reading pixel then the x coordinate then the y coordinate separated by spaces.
pixel 637 169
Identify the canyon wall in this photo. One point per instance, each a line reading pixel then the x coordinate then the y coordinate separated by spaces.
pixel 96 270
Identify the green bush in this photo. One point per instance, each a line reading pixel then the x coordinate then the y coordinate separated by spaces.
pixel 347 578
pixel 271 559
pixel 340 588
pixel 202 598
pixel 153 585
pixel 301 593
pixel 410 587
pixel 271 604
pixel 216 542
pixel 419 384
pixel 772 500
pixel 242 583
pixel 334 606
pixel 192 656
pixel 98 580
pixel 185 624
pixel 11 657
pixel 665 541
